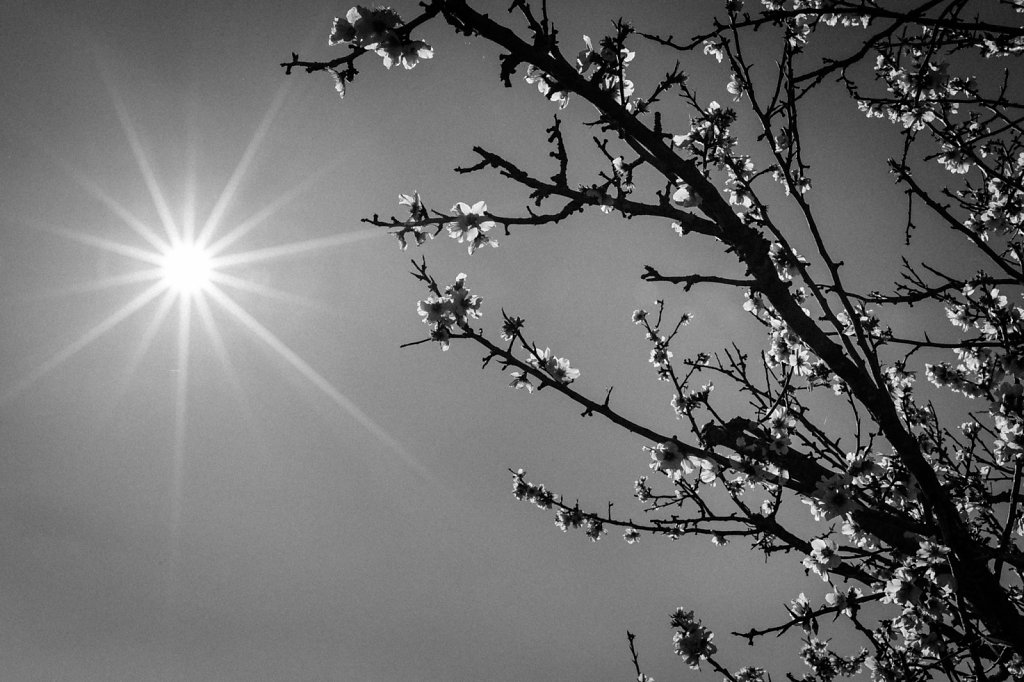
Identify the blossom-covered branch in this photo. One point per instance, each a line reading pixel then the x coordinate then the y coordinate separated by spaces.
pixel 915 494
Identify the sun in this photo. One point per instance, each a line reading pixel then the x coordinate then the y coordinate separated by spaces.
pixel 186 269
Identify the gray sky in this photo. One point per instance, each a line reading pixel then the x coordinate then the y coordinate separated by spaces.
pixel 298 498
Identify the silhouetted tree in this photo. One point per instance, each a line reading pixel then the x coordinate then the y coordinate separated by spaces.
pixel 918 503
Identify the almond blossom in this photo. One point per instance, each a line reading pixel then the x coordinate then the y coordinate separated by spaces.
pixel 471 225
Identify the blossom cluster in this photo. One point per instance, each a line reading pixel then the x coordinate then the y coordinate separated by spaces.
pixel 609 62
pixel 547 86
pixel 565 517
pixel 845 601
pixel 685 402
pixel 923 586
pixel 661 358
pixel 828 665
pixel 379 29
pixel 709 139
pixel 786 260
pixel 833 496
pixel 866 321
pixel 684 197
pixel 921 88
pixel 450 310
pixel 982 371
pixel 669 459
pixel 471 226
pixel 555 367
pixel 786 349
pixel 693 640
pixel 823 557
pixel 997 205
pixel 802 23
pixel 739 170
pixel 750 674
pixel 537 494
pixel 417 214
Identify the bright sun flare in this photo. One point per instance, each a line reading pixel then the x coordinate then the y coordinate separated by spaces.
pixel 186 268
pixel 189 267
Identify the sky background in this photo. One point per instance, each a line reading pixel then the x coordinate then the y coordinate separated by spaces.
pixel 309 501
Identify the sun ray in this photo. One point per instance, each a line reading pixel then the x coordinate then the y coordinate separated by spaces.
pixel 145 341
pixel 105 244
pixel 180 424
pixel 271 293
pixel 145 169
pixel 220 350
pixel 181 385
pixel 315 378
pixel 295 248
pixel 228 193
pixel 84 340
pixel 256 219
pixel 138 226
pixel 188 221
pixel 86 287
